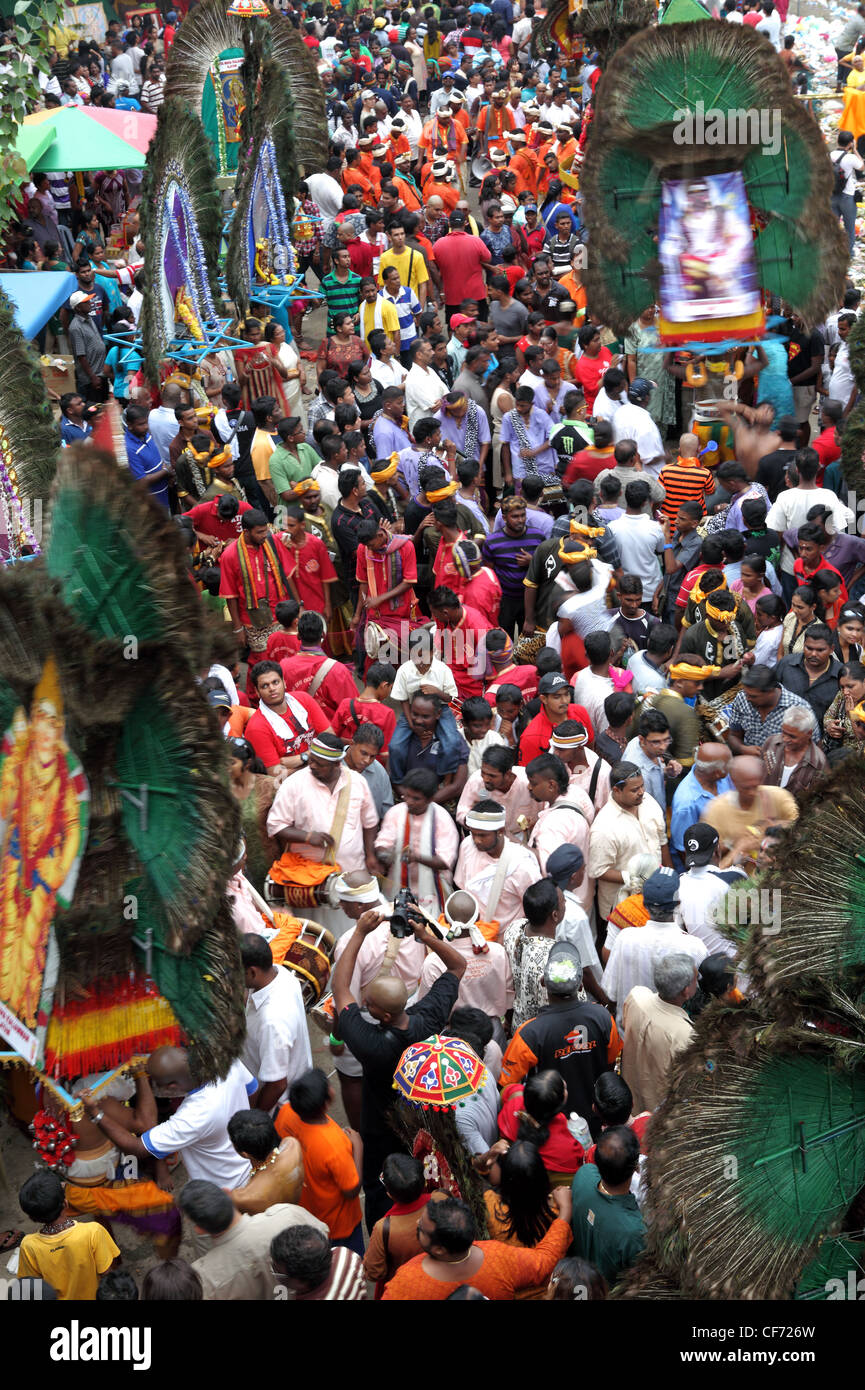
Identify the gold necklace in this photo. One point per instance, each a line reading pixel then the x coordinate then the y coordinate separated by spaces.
pixel 266 1163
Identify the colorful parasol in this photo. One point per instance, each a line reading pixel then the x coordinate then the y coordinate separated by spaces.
pixel 439 1072
pixel 87 138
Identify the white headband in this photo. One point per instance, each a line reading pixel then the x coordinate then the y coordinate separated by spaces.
pixel 364 893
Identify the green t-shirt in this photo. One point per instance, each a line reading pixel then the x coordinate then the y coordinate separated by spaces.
pixel 286 470
pixel 609 1232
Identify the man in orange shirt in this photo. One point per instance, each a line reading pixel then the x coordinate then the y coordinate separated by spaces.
pixel 397 140
pixel 461 118
pixel 438 185
pixel 332 1158
pixel 452 1256
pixel 443 132
pixel 573 283
pixel 354 179
pixel 366 148
pixel 565 147
pixel 495 124
pixel 523 164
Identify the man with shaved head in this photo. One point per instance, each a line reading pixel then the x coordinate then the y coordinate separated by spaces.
pixel 378 1045
pixel 198 1129
pixel 742 816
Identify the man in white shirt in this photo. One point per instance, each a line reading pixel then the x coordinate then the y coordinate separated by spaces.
pixel 630 823
pixel 636 951
pixel 326 192
pixel 567 868
pixel 657 1028
pixel 704 886
pixel 771 25
pixel 639 538
pixel 633 421
pixel 123 69
pixel 848 163
pixel 790 509
pixel 162 420
pixel 198 1129
pixel 276 1049
pixel 612 395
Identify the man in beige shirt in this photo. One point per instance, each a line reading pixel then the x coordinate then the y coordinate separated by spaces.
pixel 657 1028
pixel 237 1264
pixel 742 816
pixel 630 823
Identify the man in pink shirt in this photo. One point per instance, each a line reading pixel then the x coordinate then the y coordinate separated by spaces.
pixel 488 983
pixel 565 818
pixel 505 783
pixel 461 257
pixel 498 886
pixel 326 808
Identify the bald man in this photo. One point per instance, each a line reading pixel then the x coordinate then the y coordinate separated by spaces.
pixel 198 1129
pixel 742 816
pixel 378 1045
pixel 358 892
pixel 685 480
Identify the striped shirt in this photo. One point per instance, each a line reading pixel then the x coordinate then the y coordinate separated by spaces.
pixel 153 94
pixel 680 485
pixel 346 1282
pixel 343 297
pixel 500 552
pixel 407 305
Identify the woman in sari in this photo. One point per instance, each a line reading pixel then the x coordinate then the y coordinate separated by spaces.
pixel 287 354
pixel 644 356
pixel 259 369
pixel 254 791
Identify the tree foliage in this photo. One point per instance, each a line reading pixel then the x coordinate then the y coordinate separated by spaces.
pixel 20 91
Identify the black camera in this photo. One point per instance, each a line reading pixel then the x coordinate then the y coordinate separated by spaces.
pixel 400 923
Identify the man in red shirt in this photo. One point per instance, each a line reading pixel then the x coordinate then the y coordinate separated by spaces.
pixel 826 443
pixel 555 693
pixel 255 572
pixel 500 650
pixel 461 258
pixel 313 571
pixel 588 463
pixel 219 519
pixel 368 706
pixel 283 726
pixel 461 632
pixel 312 672
pixel 444 569
pixel 589 368
pixel 360 253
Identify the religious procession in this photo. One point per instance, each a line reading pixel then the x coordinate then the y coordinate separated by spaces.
pixel 432 613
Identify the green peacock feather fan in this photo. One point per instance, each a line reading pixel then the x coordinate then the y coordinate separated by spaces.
pixel 181 218
pixel 804 938
pixel 208 31
pixel 853 440
pixel 641 136
pixel 271 135
pixel 119 565
pixel 29 438
pixel 754 1157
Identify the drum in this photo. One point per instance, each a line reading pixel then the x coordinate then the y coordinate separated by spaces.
pixel 300 895
pixel 310 958
pixel 374 638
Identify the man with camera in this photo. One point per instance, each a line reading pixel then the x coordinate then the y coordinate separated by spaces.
pixel 378 1046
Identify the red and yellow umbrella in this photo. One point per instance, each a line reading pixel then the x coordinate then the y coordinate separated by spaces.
pixel 439 1072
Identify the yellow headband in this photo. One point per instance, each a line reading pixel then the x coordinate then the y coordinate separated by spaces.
pixel 698 595
pixel 441 494
pixel 224 456
pixel 719 615
pixel 683 671
pixel 573 557
pixel 305 485
pixel 382 475
pixel 590 532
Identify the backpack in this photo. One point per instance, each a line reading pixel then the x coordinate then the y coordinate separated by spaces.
pixel 840 177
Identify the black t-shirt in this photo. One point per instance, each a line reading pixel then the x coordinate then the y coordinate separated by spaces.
pixel 567 441
pixel 574 1040
pixel 378 1050
pixel 807 346
pixel 771 469
pixel 765 543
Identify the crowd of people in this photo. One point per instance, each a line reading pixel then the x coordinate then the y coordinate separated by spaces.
pixel 500 631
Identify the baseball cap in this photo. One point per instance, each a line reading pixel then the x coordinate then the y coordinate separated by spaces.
pixel 366 94
pixel 552 682
pixel 459 319
pixel 530 207
pixel 563 863
pixel 218 699
pixel 79 297
pixel 640 389
pixel 662 889
pixel 563 972
pixel 457 218
pixel 700 841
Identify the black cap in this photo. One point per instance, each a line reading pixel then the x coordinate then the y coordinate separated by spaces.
pixel 218 699
pixel 563 863
pixel 700 842
pixel 552 682
pixel 457 219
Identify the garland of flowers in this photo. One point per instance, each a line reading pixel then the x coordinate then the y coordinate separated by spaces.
pixel 53 1142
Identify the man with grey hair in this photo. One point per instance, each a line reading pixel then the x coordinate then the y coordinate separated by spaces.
pixel 657 1028
pixel 792 758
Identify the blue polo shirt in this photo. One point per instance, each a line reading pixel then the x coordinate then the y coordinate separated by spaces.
pixel 144 458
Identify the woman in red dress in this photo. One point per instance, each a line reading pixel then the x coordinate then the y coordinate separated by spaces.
pixel 259 369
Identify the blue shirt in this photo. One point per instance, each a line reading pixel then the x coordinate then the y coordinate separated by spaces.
pixel 537 429
pixel 407 305
pixel 71 433
pixel 653 776
pixel 388 438
pixel 143 458
pixel 689 800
